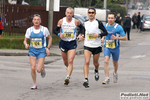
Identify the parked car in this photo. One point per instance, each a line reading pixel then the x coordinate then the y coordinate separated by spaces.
pixel 145 22
pixel 81 19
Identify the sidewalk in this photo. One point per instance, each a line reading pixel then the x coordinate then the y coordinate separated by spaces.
pixel 54 51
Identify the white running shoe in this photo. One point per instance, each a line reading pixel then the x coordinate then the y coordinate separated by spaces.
pixel 43 73
pixel 106 81
pixel 115 77
pixel 34 87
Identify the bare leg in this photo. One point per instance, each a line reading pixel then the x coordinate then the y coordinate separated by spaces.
pixel 71 56
pixel 87 56
pixel 33 68
pixel 106 66
pixel 95 60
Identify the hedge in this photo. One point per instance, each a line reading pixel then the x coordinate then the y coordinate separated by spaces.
pixel 18 43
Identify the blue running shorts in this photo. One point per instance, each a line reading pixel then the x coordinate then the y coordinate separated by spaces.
pixel 115 53
pixel 38 53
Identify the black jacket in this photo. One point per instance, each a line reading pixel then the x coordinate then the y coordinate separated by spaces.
pixel 118 20
pixel 127 22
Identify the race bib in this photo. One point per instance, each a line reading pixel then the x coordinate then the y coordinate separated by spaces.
pixel 110 44
pixel 37 42
pixel 89 35
pixel 68 33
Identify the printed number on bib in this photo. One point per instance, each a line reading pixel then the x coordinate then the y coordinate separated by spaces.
pixel 110 43
pixel 90 35
pixel 37 42
pixel 68 33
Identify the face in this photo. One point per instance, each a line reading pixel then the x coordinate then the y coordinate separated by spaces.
pixel 111 19
pixel 36 21
pixel 91 14
pixel 69 13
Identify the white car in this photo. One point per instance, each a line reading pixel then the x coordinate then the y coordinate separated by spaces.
pixel 145 22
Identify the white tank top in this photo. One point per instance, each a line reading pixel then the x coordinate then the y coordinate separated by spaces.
pixel 69 30
pixel 92 27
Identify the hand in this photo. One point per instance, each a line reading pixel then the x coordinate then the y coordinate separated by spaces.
pixel 102 40
pixel 113 37
pixel 120 17
pixel 47 52
pixel 80 37
pixel 61 35
pixel 27 46
pixel 95 35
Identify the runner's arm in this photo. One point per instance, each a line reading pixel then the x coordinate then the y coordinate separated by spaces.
pixel 81 27
pixel 101 26
pixel 56 30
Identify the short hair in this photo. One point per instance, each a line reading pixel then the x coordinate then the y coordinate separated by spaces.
pixel 70 8
pixel 113 13
pixel 92 9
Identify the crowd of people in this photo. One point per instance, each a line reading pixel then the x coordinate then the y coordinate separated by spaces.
pixel 92 32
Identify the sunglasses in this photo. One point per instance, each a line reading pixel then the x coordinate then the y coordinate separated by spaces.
pixel 91 12
pixel 36 15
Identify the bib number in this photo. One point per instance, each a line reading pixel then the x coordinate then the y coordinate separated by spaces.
pixel 37 42
pixel 90 37
pixel 110 44
pixel 68 35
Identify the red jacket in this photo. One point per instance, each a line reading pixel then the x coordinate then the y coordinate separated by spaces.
pixel 1 26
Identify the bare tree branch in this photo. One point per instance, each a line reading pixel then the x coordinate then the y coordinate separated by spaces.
pixel 97 3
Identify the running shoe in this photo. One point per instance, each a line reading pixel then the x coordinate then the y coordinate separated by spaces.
pixel 34 87
pixel 115 77
pixel 86 83
pixel 106 81
pixel 96 76
pixel 67 80
pixel 43 73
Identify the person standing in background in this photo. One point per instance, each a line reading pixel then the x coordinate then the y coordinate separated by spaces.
pixel 134 20
pixel 138 21
pixel 1 26
pixel 127 25
pixel 118 19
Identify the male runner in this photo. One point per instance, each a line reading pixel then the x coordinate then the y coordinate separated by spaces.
pixel 68 45
pixel 37 50
pixel 92 44
pixel 112 46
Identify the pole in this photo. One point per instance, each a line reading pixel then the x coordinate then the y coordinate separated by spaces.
pixel 105 4
pixel 105 7
pixel 50 17
pixel 126 6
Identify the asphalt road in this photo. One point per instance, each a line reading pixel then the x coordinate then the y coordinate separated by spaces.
pixel 133 74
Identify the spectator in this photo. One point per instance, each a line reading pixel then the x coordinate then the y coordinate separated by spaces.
pixel 118 19
pixel 1 27
pixel 127 25
pixel 138 21
pixel 134 20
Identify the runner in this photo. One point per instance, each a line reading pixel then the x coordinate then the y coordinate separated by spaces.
pixel 92 44
pixel 37 50
pixel 112 46
pixel 67 43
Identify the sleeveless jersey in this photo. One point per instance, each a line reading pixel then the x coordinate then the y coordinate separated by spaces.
pixel 69 30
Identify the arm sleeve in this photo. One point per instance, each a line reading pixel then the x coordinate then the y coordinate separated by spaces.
pixel 56 30
pixel 46 32
pixel 27 35
pixel 101 26
pixel 81 29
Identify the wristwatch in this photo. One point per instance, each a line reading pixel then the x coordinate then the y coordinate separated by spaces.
pixel 48 48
